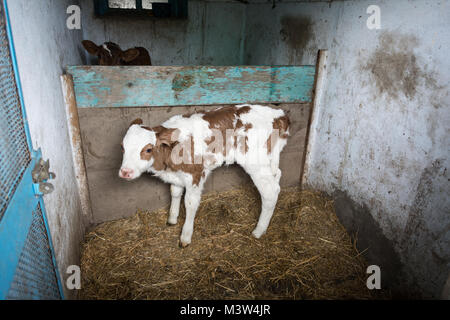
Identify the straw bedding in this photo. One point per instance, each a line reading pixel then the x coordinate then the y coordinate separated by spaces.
pixel 306 253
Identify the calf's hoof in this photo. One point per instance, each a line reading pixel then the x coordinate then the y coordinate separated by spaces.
pixel 184 241
pixel 258 233
pixel 170 224
pixel 182 244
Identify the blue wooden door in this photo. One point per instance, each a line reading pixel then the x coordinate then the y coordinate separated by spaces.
pixel 27 264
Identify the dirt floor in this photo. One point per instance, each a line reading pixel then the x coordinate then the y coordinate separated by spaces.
pixel 306 253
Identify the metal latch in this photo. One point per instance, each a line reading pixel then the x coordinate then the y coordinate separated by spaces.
pixel 40 175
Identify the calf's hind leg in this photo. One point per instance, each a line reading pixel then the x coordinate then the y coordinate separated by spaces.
pixel 269 188
pixel 191 202
pixel 176 193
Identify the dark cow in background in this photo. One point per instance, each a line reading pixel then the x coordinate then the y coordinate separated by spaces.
pixel 110 54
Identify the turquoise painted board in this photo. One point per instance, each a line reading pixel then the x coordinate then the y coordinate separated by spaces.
pixel 134 86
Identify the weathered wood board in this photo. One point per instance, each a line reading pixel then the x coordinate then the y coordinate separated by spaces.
pixel 99 86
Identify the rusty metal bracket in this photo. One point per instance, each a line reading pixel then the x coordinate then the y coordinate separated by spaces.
pixel 40 174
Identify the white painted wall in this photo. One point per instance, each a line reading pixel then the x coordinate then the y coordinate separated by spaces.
pixel 44 46
pixel 384 153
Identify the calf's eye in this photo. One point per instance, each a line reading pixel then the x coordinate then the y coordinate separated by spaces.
pixel 121 148
pixel 148 150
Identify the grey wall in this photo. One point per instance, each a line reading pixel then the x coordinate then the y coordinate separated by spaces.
pixel 381 139
pixel 212 35
pixel 44 46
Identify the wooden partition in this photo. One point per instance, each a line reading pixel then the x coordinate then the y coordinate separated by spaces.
pixel 109 98
pixel 98 86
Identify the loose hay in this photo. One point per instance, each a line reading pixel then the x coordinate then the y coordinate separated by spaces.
pixel 306 253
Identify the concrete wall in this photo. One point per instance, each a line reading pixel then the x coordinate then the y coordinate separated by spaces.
pixel 212 35
pixel 113 198
pixel 44 46
pixel 381 136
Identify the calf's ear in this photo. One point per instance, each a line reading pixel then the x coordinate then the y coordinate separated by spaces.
pixel 136 121
pixel 130 54
pixel 90 47
pixel 167 136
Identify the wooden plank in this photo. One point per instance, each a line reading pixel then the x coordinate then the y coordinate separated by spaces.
pixel 134 86
pixel 77 149
pixel 311 134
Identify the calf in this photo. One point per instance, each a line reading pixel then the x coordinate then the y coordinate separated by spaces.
pixel 186 148
pixel 110 54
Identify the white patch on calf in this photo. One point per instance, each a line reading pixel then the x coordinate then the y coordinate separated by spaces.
pixel 134 141
pixel 107 49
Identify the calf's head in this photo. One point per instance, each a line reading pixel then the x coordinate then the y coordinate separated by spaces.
pixel 145 150
pixel 110 54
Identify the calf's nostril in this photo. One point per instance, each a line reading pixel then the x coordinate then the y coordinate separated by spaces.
pixel 126 173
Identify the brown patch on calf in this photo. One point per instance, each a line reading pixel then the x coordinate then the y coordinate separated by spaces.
pixel 166 141
pixel 162 155
pixel 166 136
pixel 282 124
pixel 280 127
pixel 244 146
pixel 247 126
pixel 136 121
pixel 222 119
pixel 196 170
pixel 242 110
pixel 146 152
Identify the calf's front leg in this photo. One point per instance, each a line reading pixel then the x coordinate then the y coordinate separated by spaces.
pixel 176 193
pixel 191 202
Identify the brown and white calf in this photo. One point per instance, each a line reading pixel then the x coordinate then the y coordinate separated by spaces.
pixel 110 54
pixel 186 148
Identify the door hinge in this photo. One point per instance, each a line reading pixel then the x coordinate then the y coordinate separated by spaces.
pixel 40 174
